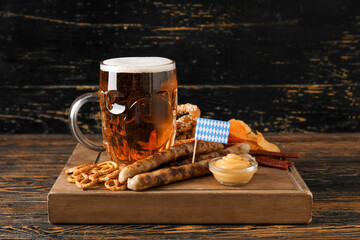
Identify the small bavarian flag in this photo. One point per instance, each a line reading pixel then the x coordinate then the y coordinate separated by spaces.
pixel 212 130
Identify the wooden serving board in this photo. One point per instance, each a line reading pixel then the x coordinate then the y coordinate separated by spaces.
pixel 273 196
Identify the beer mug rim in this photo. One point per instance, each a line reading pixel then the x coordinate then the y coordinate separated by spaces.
pixel 137 65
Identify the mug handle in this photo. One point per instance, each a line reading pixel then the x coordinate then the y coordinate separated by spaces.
pixel 74 127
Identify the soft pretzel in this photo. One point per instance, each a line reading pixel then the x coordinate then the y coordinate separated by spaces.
pixel 186 122
pixel 188 109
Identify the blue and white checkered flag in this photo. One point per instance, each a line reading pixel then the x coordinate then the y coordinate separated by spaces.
pixel 212 130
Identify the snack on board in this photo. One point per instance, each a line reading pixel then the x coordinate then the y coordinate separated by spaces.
pixel 182 141
pixel 180 169
pixel 168 175
pixel 186 122
pixel 88 175
pixel 84 180
pixel 188 108
pixel 155 160
pixel 264 144
pixel 240 148
pixel 274 159
pixel 78 169
pixel 165 176
pixel 175 162
pixel 273 162
pixel 241 132
pixel 114 185
pixel 109 176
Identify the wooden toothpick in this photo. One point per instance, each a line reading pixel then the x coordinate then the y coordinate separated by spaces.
pixel 193 159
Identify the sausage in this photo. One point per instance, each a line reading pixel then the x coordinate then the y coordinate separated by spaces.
pixel 155 160
pixel 165 176
pixel 239 148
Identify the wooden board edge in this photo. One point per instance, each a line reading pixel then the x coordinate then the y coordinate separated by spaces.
pixel 300 183
pixel 219 209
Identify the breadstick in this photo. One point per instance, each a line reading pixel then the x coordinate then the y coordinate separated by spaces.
pixel 155 160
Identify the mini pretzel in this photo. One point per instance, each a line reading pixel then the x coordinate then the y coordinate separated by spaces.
pixel 107 167
pixel 85 181
pixel 114 185
pixel 71 170
pixel 87 175
pixel 93 174
pixel 71 178
pixel 109 176
pixel 76 171
pixel 84 168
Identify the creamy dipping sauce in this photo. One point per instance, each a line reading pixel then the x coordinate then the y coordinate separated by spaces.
pixel 233 169
pixel 232 161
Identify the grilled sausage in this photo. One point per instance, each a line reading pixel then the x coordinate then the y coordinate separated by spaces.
pixel 155 160
pixel 236 148
pixel 165 176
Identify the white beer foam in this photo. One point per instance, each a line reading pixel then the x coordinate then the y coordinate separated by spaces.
pixel 137 65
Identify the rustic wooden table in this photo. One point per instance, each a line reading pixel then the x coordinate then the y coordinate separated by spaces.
pixel 330 165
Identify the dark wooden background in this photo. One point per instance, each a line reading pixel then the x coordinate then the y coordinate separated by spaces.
pixel 281 66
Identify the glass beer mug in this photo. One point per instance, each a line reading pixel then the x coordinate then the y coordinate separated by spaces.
pixel 138 101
